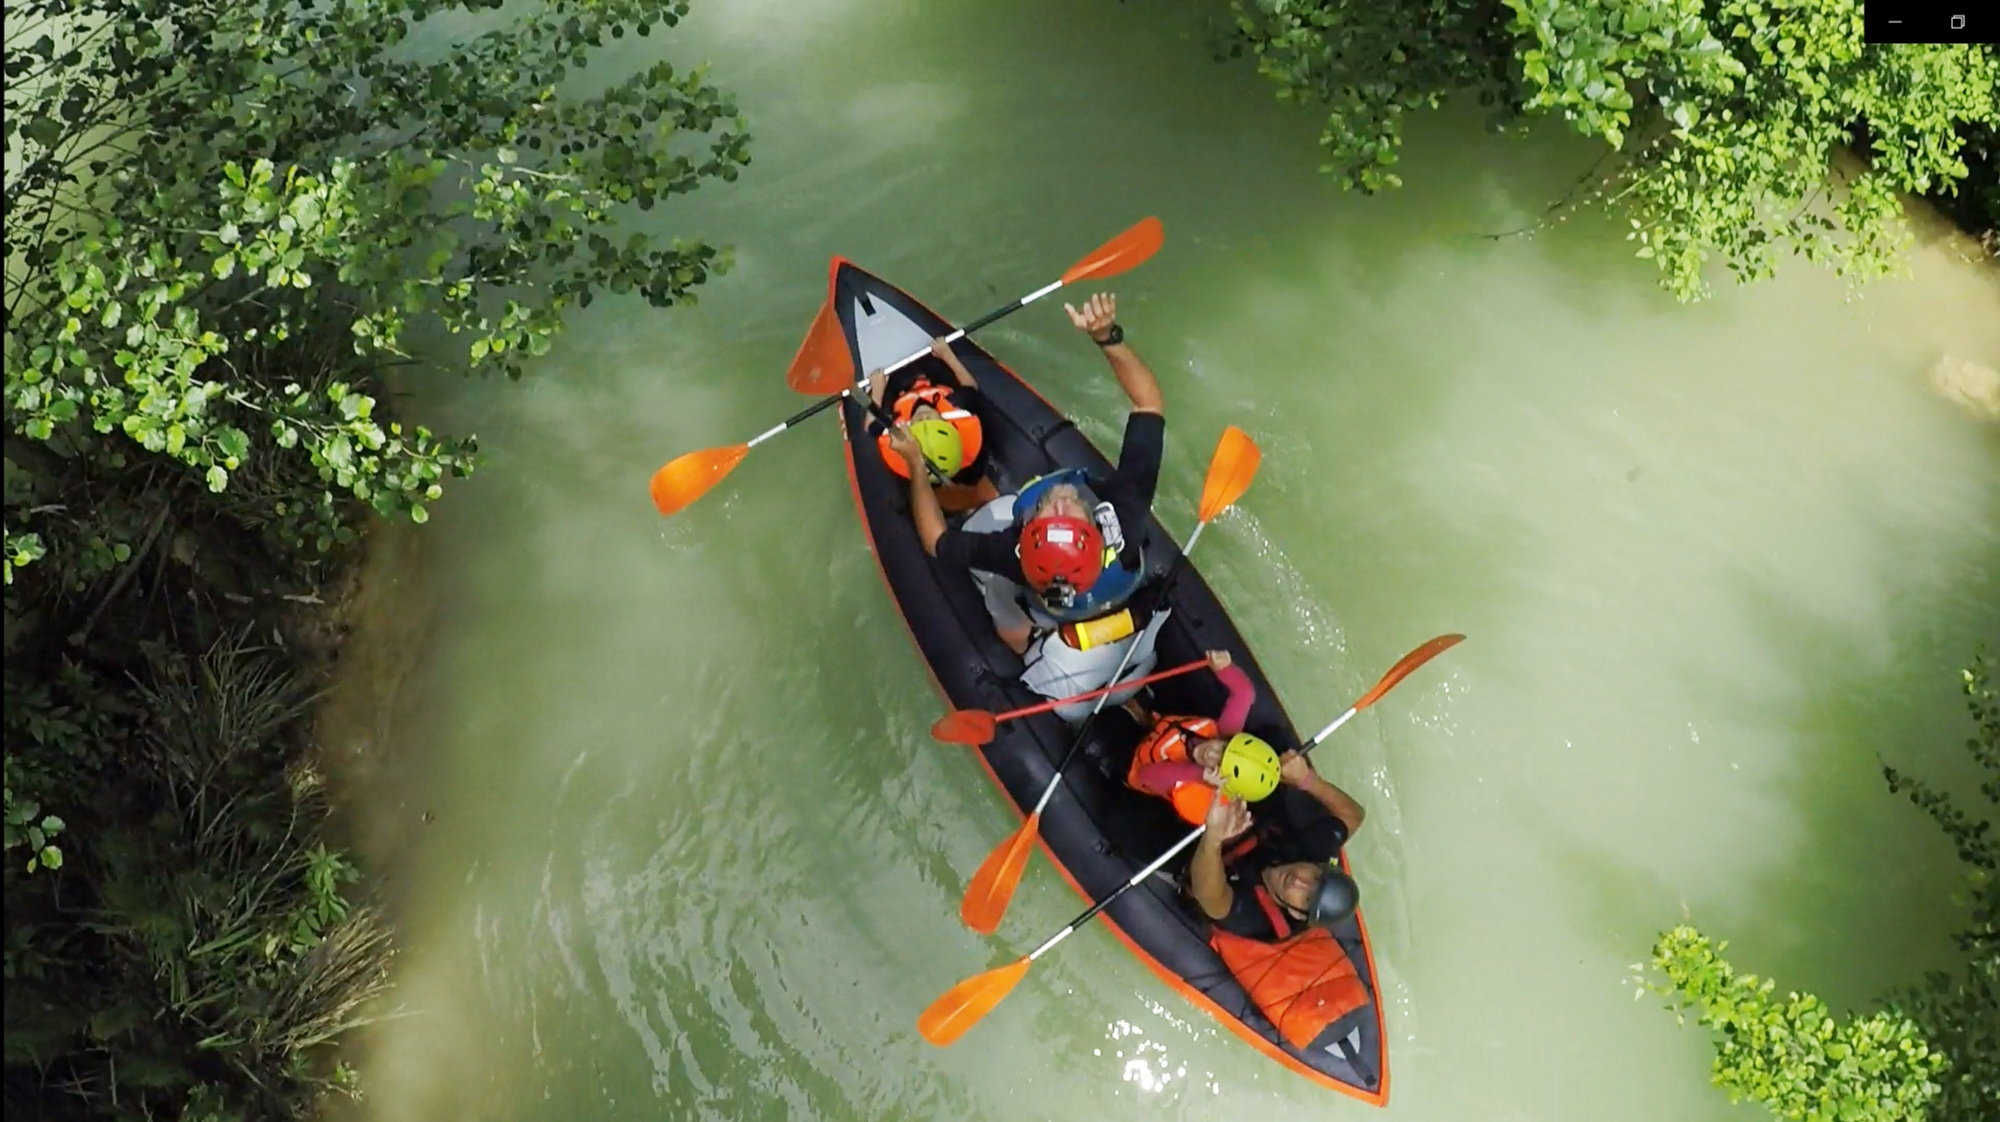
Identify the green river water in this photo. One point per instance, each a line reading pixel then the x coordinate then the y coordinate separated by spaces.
pixel 662 828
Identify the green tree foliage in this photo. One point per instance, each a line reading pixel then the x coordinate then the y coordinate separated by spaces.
pixel 1792 1054
pixel 187 179
pixel 224 220
pixel 1961 1012
pixel 1370 64
pixel 1976 205
pixel 1724 118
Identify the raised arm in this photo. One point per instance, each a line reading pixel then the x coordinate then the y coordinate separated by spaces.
pixel 924 509
pixel 1298 772
pixel 1207 883
pixel 1242 693
pixel 1161 778
pixel 943 351
pixel 1095 319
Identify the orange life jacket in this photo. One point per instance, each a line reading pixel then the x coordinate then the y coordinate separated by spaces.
pixel 940 399
pixel 1168 743
pixel 1303 982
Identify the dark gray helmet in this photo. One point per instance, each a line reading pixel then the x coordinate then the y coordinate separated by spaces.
pixel 1335 898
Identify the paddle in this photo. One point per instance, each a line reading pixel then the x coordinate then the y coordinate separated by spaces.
pixel 974 727
pixel 1403 668
pixel 961 1006
pixel 823 365
pixel 992 887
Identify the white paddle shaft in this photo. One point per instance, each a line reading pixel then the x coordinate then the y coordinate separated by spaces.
pixel 1142 874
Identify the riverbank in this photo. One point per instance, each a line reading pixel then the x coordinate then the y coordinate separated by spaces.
pixel 185 936
pixel 377 813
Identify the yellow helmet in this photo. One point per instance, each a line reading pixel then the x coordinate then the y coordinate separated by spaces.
pixel 940 444
pixel 1249 768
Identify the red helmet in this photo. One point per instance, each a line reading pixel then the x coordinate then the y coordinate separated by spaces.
pixel 1061 547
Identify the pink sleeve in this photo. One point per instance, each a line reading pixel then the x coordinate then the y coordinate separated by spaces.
pixel 1241 696
pixel 1161 778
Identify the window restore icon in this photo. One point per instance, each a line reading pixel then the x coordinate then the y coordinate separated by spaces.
pixel 1958 23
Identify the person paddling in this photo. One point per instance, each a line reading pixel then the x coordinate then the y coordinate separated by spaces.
pixel 1272 909
pixel 1185 760
pixel 1065 554
pixel 948 423
pixel 1298 873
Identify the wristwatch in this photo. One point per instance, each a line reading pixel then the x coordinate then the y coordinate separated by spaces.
pixel 1116 336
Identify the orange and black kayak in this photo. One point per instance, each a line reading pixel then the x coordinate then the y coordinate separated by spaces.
pixel 1098 832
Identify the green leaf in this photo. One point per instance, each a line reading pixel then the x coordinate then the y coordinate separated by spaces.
pixel 234 442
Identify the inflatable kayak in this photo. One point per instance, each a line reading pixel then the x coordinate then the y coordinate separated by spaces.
pixel 1096 831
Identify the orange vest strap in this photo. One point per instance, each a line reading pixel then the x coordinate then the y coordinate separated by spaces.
pixel 1280 922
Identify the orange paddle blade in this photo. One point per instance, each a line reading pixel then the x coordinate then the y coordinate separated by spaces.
pixel 992 887
pixel 1407 665
pixel 690 476
pixel 972 727
pixel 1229 472
pixel 823 365
pixel 1130 248
pixel 964 1004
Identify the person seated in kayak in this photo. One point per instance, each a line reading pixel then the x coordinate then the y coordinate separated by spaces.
pixel 1279 883
pixel 1073 541
pixel 1273 908
pixel 948 423
pixel 1185 760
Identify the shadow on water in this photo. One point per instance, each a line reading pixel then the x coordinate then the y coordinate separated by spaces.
pixel 1864 906
pixel 1855 901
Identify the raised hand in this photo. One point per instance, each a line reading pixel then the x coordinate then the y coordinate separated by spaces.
pixel 1296 770
pixel 1098 314
pixel 1227 817
pixel 905 445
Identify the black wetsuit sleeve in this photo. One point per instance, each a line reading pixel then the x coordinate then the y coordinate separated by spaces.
pixel 989 553
pixel 1130 487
